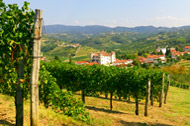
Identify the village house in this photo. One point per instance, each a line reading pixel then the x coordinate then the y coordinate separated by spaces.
pixel 175 53
pixel 103 58
pixel 81 62
pixel 187 48
pixel 121 62
pixel 142 59
pixel 163 50
pixel 152 59
pixel 155 58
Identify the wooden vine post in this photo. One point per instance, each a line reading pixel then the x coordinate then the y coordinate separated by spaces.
pixel 111 96
pixel 152 95
pixel 19 95
pixel 83 96
pixel 34 103
pixel 162 90
pixel 168 85
pixel 137 104
pixel 147 98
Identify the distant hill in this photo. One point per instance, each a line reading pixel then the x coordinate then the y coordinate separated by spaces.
pixel 97 29
pixel 126 42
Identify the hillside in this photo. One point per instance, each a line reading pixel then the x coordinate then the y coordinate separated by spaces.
pixel 131 42
pixel 46 116
pixel 97 29
pixel 175 112
pixel 128 42
pixel 62 50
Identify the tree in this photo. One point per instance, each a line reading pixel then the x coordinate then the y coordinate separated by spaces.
pixel 136 63
pixel 168 53
pixel 16 35
pixel 57 58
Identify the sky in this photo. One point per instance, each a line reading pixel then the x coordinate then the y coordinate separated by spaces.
pixel 112 13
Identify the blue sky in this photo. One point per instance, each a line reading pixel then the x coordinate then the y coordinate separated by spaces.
pixel 128 13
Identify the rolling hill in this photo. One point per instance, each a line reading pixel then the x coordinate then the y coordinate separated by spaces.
pixel 97 29
pixel 124 42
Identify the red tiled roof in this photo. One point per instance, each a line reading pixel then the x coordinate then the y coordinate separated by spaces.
pixel 142 61
pixel 187 47
pixel 182 53
pixel 80 62
pixel 96 55
pixel 172 51
pixel 140 57
pixel 122 61
pixel 155 56
pixel 90 64
pixel 121 65
pixel 150 61
pixel 177 53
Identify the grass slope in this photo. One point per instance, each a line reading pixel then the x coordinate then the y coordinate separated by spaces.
pixel 47 117
pixel 175 113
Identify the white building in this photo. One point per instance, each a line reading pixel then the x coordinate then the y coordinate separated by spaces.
pixel 103 58
pixel 163 50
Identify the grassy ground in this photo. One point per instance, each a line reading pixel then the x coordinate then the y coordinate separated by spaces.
pixel 81 53
pixel 175 112
pixel 185 63
pixel 47 116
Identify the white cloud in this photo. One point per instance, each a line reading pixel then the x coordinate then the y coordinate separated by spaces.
pixel 171 21
pixel 76 22
pixel 166 18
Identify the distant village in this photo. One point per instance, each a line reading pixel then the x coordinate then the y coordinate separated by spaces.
pixel 104 58
pixel 109 59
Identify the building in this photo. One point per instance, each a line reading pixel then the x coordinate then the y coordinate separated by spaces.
pixel 142 59
pixel 155 58
pixel 122 62
pixel 163 50
pixel 175 54
pixel 187 49
pixel 81 62
pixel 103 58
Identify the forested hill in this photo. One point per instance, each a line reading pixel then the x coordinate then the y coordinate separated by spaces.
pixel 97 29
pixel 133 42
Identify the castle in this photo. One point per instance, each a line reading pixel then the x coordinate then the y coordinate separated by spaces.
pixel 103 58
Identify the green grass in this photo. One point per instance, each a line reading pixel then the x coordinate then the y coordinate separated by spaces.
pixel 81 53
pixel 175 112
pixel 81 58
pixel 47 117
pixel 85 51
pixel 179 105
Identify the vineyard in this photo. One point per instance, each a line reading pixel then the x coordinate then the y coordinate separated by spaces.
pixel 59 83
pixel 118 82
